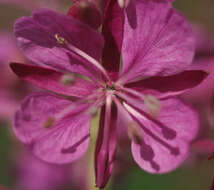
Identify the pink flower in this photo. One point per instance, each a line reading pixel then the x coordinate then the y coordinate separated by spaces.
pixel 34 174
pixel 8 99
pixel 156 45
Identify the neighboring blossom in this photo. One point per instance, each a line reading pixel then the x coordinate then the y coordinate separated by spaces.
pixel 157 46
pixel 8 97
pixel 34 174
pixel 202 96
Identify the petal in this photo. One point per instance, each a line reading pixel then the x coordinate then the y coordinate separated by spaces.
pixel 52 80
pixel 175 84
pixel 36 36
pixel 158 40
pixel 105 147
pixel 166 138
pixel 206 88
pixel 60 141
pixel 113 33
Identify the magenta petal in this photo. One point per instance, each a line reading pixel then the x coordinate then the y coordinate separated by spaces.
pixel 60 141
pixel 158 40
pixel 36 36
pixel 113 33
pixel 105 148
pixel 52 80
pixel 167 147
pixel 171 84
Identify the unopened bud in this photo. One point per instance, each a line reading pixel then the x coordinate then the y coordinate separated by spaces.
pixel 86 11
pixel 123 3
pixel 135 133
pixel 68 79
pixel 49 122
pixel 211 156
pixel 153 105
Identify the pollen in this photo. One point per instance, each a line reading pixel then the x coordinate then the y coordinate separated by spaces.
pixel 93 111
pixel 134 133
pixel 153 105
pixel 49 122
pixel 60 39
pixel 68 79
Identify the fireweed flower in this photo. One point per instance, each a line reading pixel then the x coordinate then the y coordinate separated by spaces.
pixel 9 99
pixel 156 46
pixel 204 58
pixel 34 174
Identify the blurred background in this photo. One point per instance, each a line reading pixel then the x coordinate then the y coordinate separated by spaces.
pixel 19 170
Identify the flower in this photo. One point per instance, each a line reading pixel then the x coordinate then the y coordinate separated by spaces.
pixel 34 174
pixel 202 96
pixel 9 100
pixel 204 59
pixel 157 46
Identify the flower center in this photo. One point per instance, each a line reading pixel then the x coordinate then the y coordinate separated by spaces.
pixel 110 87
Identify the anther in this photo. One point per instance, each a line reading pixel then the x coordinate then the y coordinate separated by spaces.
pixel 61 40
pixel 135 133
pixel 68 79
pixel 153 105
pixel 93 111
pixel 49 122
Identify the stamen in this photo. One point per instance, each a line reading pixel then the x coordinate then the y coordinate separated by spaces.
pixel 132 92
pixel 68 109
pixel 167 132
pixel 135 133
pixel 68 79
pixel 107 121
pixel 123 3
pixel 153 105
pixel 133 129
pixel 173 150
pixel 49 122
pixel 93 111
pixel 81 53
pixel 57 117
